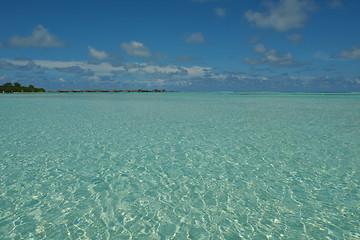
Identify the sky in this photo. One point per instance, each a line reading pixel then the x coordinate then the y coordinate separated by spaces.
pixel 182 45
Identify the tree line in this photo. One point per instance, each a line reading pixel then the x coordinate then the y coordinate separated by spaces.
pixel 16 87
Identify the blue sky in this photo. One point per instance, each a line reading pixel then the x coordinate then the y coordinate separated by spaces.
pixel 183 45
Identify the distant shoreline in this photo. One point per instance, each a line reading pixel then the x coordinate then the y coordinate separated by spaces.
pixel 104 90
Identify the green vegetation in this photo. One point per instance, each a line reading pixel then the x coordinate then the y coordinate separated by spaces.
pixel 16 87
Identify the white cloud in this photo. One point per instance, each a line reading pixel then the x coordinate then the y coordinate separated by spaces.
pixel 144 68
pixel 159 82
pixel 335 3
pixel 194 38
pixel 40 37
pixel 353 53
pixel 196 71
pixel 322 55
pixel 1 45
pixel 158 75
pixel 136 49
pixel 283 15
pixel 219 77
pixel 304 78
pixel 26 65
pixel 54 64
pixel 95 78
pixel 102 69
pixel 259 48
pixel 161 69
pixel 272 57
pixel 220 12
pixel 148 83
pixel 169 70
pixel 295 38
pixel 97 54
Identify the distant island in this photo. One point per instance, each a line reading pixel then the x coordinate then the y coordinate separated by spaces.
pixel 17 88
pixel 104 90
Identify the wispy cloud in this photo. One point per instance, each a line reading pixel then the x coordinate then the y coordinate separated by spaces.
pixel 353 53
pixel 322 55
pixel 323 82
pixel 136 49
pixel 295 38
pixel 138 75
pixel 76 68
pixel 194 38
pixel 77 71
pixel 104 69
pixel 158 82
pixel 283 15
pixel 220 12
pixel 40 37
pixel 100 55
pixel 272 57
pixel 335 3
pixel 27 65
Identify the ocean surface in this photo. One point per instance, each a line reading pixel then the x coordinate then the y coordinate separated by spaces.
pixel 179 166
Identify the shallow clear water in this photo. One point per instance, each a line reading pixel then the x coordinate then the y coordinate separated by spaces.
pixel 179 166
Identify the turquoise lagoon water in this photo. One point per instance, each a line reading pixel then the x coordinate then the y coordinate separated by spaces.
pixel 179 166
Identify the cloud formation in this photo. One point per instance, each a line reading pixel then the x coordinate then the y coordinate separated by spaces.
pixel 136 49
pixel 220 12
pixel 40 37
pixel 283 15
pixel 100 55
pixel 104 70
pixel 138 75
pixel 322 55
pixel 194 38
pixel 353 53
pixel 77 71
pixel 272 57
pixel 28 65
